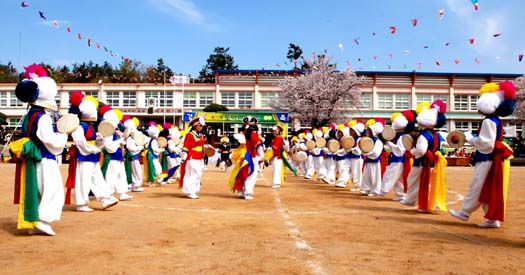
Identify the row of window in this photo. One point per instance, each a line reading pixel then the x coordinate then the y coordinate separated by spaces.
pixel 389 101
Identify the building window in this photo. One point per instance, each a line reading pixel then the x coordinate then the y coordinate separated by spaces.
pixel 443 98
pixel 423 98
pixel 113 99
pixel 14 122
pixel 163 98
pixel 166 99
pixel 461 103
pixel 190 100
pixel 473 102
pixel 475 126
pixel 245 99
pixel 266 98
pixel 365 101
pixel 14 102
pixel 129 99
pixel 91 93
pixel 205 98
pixel 401 101
pixel 462 126
pixel 3 99
pixel 228 99
pixel 393 101
pixel 385 101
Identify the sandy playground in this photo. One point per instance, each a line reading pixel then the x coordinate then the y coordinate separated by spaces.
pixel 305 227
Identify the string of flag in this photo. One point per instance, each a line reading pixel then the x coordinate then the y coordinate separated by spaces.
pixel 393 30
pixel 86 39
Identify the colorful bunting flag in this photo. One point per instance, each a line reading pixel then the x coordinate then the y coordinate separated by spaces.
pixel 471 40
pixel 475 3
pixel 24 4
pixel 393 29
pixel 42 15
pixel 441 13
pixel 414 22
pixel 520 57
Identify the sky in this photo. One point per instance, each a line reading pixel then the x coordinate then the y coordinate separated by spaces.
pixel 356 33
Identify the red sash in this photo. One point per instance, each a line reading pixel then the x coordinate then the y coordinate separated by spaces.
pixel 492 192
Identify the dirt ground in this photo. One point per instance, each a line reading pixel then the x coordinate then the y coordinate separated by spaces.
pixel 305 227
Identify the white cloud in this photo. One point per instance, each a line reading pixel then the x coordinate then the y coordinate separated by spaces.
pixel 184 10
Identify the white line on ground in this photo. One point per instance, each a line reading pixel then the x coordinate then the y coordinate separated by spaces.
pixel 458 195
pixel 300 243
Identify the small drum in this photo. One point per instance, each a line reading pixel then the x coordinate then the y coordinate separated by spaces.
pixel 456 139
pixel 320 142
pixel 68 123
pixel 301 157
pixel 209 151
pixel 140 139
pixel 366 144
pixel 333 145
pixel 388 133
pixel 310 144
pixel 162 141
pixel 268 154
pixel 407 141
pixel 106 128
pixel 347 142
pixel 228 162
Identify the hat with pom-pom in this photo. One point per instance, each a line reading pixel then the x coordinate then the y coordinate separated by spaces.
pixel 174 132
pixel 498 99
pixel 357 126
pixel 128 122
pixel 431 115
pixel 153 130
pixel 198 121
pixel 376 125
pixel 37 88
pixel 399 121
pixel 88 109
pixel 110 115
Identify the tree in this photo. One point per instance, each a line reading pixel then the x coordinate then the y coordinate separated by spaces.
pixel 214 107
pixel 220 60
pixel 294 52
pixel 520 97
pixel 8 73
pixel 321 95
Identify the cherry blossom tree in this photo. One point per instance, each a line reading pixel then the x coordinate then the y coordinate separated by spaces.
pixel 321 94
pixel 520 97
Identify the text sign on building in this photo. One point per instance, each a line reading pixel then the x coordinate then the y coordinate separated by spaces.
pixel 263 118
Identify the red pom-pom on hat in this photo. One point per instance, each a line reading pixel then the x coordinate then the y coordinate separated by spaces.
pixel 103 109
pixel 34 70
pixel 76 98
pixel 166 125
pixel 361 121
pixel 380 120
pixel 152 123
pixel 509 89
pixel 125 118
pixel 439 105
pixel 409 115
